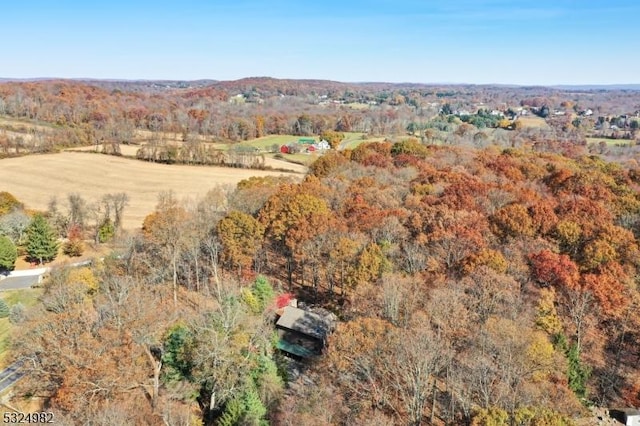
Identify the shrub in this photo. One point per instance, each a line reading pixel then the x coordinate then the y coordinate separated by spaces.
pixel 74 245
pixel 17 313
pixel 8 203
pixel 83 278
pixel 106 231
pixel 4 309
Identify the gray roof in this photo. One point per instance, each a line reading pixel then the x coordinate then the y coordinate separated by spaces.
pixel 304 322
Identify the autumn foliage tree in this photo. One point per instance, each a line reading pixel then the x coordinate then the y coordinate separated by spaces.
pixel 334 138
pixel 241 236
pixel 74 245
pixel 554 269
pixel 164 229
pixel 291 218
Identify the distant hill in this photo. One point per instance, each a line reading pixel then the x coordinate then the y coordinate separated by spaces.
pixel 599 87
pixel 270 85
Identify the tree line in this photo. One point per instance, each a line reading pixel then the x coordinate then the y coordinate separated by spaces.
pixel 39 235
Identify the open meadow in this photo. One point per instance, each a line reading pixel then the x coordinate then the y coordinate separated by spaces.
pixel 35 179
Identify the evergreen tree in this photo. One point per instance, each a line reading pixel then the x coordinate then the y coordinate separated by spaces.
pixel 263 291
pixel 177 356
pixel 42 243
pixel 253 408
pixel 8 254
pixel 232 413
pixel 4 309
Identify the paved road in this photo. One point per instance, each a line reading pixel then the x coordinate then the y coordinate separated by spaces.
pixel 10 375
pixel 19 283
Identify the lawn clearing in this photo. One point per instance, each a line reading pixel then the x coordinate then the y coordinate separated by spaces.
pixel 265 143
pixel 536 122
pixel 357 105
pixel 35 179
pixel 611 142
pixel 24 125
pixel 28 298
pixel 353 142
pixel 5 339
pixel 294 160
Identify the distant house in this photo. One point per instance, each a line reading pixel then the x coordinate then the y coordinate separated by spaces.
pixel 311 148
pixel 237 99
pixel 323 145
pixel 306 141
pixel 302 333
pixel 284 149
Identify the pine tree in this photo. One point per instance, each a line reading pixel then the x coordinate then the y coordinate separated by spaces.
pixel 263 290
pixel 232 413
pixel 4 309
pixel 8 254
pixel 253 408
pixel 42 243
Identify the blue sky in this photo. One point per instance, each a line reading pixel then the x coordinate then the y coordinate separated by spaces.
pixel 428 41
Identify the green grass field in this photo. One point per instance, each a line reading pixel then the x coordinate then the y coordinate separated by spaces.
pixel 304 159
pixel 353 139
pixel 265 143
pixel 350 141
pixel 28 298
pixel 611 142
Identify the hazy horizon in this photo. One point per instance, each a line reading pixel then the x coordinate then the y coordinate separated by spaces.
pixel 634 86
pixel 493 42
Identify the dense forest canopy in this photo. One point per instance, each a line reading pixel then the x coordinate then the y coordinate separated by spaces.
pixel 474 283
pixel 468 283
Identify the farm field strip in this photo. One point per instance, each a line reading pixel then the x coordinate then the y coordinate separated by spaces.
pixel 35 179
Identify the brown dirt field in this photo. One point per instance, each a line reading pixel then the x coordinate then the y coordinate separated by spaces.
pixel 23 124
pixel 532 122
pixel 35 179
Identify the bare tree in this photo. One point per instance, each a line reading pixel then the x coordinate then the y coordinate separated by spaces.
pixel 419 360
pixel 165 228
pixel 77 210
pixel 118 203
pixel 13 225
